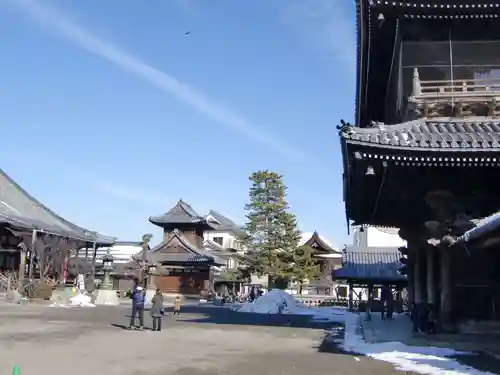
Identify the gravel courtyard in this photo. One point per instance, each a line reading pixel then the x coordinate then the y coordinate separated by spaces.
pixel 57 341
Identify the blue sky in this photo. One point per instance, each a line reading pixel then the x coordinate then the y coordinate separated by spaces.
pixel 110 113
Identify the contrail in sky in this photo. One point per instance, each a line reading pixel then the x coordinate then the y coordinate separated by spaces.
pixel 63 26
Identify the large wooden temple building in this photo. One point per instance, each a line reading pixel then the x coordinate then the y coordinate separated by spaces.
pixel 26 225
pixel 186 266
pixel 423 150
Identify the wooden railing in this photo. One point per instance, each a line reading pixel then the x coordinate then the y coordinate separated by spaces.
pixel 464 97
pixel 463 89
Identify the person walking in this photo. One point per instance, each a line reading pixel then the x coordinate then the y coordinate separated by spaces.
pixel 157 310
pixel 138 301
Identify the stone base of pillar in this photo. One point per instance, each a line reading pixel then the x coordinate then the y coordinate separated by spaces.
pixel 149 294
pixel 107 297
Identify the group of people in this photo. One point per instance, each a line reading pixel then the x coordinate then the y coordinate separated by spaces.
pixel 138 296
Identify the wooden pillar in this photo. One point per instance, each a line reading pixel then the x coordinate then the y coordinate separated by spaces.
pixel 430 257
pixel 410 275
pixel 417 278
pixel 32 254
pixel 445 285
pixel 369 305
pixel 94 255
pixel 351 299
pixel 22 267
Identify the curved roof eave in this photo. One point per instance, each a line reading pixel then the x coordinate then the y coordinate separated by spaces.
pixel 60 226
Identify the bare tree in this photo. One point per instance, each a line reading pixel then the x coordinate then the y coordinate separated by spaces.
pixel 50 254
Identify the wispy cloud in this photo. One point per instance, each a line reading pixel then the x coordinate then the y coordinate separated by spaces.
pixel 94 180
pixel 59 23
pixel 127 192
pixel 328 24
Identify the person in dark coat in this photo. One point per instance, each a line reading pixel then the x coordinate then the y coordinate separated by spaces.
pixel 157 310
pixel 138 301
pixel 251 297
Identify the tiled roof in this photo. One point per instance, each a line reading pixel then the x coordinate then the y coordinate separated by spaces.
pixel 370 265
pixel 191 254
pixel 442 135
pixel 181 213
pixel 316 240
pixel 181 258
pixel 20 210
pixel 483 227
pixel 224 224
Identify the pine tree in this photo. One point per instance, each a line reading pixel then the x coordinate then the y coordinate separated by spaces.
pixel 305 266
pixel 272 234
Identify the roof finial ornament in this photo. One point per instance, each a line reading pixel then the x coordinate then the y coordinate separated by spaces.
pixel 346 127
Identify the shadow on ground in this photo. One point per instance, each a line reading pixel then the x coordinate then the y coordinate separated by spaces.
pixel 480 361
pixel 223 315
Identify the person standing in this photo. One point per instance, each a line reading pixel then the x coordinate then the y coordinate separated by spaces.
pixel 157 310
pixel 177 306
pixel 251 297
pixel 138 301
pixel 387 302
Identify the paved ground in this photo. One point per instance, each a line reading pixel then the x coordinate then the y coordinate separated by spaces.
pixel 203 341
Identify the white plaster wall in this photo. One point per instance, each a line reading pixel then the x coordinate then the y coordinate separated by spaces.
pixel 120 253
pixel 378 238
pixel 229 240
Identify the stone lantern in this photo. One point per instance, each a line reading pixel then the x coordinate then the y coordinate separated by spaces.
pixel 107 267
pixel 106 295
pixel 150 287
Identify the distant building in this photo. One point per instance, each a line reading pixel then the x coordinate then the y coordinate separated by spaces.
pixel 121 251
pixel 225 233
pixel 328 258
pixel 370 262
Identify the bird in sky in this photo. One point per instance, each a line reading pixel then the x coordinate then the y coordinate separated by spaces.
pixel 187 33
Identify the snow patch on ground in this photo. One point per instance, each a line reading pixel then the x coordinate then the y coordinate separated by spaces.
pixel 424 360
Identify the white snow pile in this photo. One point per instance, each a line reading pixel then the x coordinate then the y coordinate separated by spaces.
pixel 273 302
pixel 80 300
pixel 278 301
pixel 424 360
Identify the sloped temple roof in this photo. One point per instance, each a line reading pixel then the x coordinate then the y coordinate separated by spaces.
pixel 20 210
pixel 181 213
pixel 370 264
pixel 429 135
pixel 315 240
pixel 223 223
pixel 191 254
